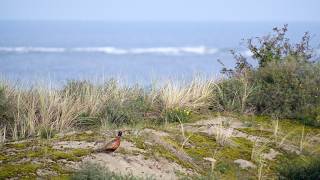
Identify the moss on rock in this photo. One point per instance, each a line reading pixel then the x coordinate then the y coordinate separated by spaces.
pixel 71 155
pixel 201 146
pixel 256 132
pixel 18 145
pixel 56 167
pixel 21 170
pixel 138 141
pixel 159 150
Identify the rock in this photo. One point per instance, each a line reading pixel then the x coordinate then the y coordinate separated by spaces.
pixel 45 172
pixel 60 135
pixel 225 121
pixel 24 160
pixel 290 148
pixel 157 133
pixel 252 138
pixel 210 159
pixel 271 155
pixel 89 132
pixel 148 143
pixel 244 163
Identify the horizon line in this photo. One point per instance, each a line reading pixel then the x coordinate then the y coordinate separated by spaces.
pixel 163 21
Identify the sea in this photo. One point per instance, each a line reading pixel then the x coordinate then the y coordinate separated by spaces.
pixel 134 52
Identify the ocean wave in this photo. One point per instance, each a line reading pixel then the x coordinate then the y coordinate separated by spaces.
pixel 106 50
pixel 196 50
pixel 31 49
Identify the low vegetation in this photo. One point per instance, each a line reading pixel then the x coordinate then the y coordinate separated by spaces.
pixel 301 168
pixel 39 111
pixel 97 172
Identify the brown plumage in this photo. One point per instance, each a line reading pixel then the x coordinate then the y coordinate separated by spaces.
pixel 112 145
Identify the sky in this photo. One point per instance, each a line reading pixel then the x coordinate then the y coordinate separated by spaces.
pixel 162 10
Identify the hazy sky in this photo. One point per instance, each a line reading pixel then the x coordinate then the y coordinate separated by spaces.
pixel 162 10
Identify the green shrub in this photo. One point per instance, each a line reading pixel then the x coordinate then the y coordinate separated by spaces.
pixel 289 89
pixel 47 133
pixel 228 91
pixel 300 168
pixel 276 47
pixel 2 104
pixel 234 94
pixel 177 115
pixel 285 83
pixel 85 120
pixel 207 176
pixel 130 110
pixel 97 172
pixel 6 116
pixel 76 89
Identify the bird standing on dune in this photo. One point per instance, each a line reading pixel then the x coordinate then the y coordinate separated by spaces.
pixel 112 145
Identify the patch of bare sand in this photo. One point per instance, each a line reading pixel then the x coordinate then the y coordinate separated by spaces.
pixel 156 133
pixel 226 121
pixel 137 165
pixel 73 145
pixel 206 126
pixel 128 146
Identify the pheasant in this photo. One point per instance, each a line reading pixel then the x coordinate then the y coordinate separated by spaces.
pixel 112 145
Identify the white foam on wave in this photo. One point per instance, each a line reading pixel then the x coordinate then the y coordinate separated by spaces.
pixel 107 50
pixel 196 50
pixel 156 50
pixel 31 49
pixel 200 50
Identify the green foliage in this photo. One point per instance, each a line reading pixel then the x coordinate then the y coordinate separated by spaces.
pixel 91 171
pixel 76 89
pixel 87 121
pixel 234 93
pixel 10 170
pixel 300 168
pixel 5 108
pixel 130 111
pixel 286 82
pixel 110 103
pixel 47 133
pixel 208 176
pixel 289 89
pixel 277 47
pixel 229 95
pixel 177 115
pixel 2 103
pixel 223 167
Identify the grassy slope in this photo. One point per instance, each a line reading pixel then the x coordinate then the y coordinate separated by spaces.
pixel 16 158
